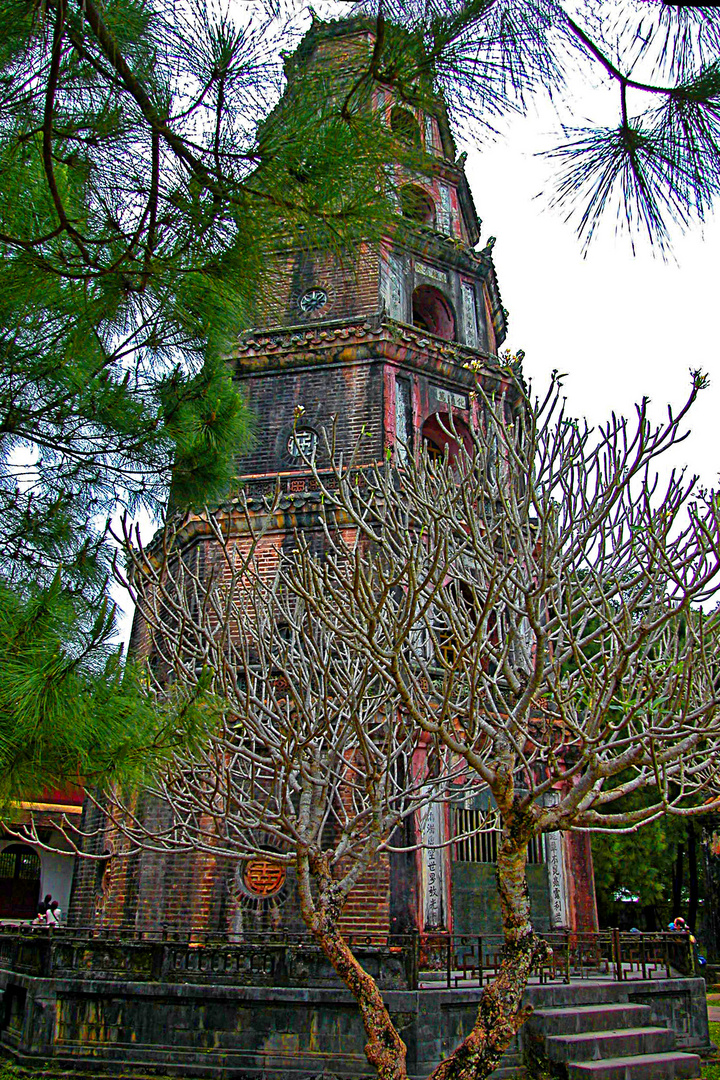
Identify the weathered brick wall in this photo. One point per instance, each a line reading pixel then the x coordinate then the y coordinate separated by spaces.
pixel 367 910
pixel 350 280
pixel 351 393
pixel 92 877
pixel 197 892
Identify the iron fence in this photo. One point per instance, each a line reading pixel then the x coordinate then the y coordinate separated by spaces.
pixel 397 961
pixel 455 960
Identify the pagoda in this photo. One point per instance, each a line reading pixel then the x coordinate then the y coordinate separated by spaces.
pixel 379 341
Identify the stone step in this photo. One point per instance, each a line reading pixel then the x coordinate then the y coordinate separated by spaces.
pixel 608 1017
pixel 556 995
pixel 591 992
pixel 595 1045
pixel 672 1066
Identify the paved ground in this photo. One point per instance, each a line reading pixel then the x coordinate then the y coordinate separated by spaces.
pixel 714 1014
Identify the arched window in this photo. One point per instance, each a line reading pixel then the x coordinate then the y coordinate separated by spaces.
pixel 404 125
pixel 433 451
pixel 431 311
pixel 416 205
pixel 436 437
pixel 19 882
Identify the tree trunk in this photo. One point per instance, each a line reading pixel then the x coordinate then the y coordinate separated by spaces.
pixel 677 881
pixel 650 916
pixel 385 1050
pixel 694 897
pixel 500 1013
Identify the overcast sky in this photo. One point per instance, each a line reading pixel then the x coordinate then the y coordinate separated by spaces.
pixel 621 326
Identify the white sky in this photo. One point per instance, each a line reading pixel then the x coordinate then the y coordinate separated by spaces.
pixel 621 326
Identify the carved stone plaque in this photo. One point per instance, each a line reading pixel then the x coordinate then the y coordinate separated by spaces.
pixel 263 877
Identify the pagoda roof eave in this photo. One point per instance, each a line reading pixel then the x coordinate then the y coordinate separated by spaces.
pixel 357 340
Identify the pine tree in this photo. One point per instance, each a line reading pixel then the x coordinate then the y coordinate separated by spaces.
pixel 139 199
pixel 146 173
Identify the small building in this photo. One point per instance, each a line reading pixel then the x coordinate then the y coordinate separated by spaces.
pixel 29 872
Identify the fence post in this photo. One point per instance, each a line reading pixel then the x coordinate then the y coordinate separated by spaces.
pixel 414 958
pixel 449 961
pixel 47 957
pixel 158 949
pixel 616 949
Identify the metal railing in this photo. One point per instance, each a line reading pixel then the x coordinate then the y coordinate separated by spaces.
pixel 398 961
pixel 456 960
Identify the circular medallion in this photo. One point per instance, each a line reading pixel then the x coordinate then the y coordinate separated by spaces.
pixel 262 877
pixel 302 443
pixel 312 300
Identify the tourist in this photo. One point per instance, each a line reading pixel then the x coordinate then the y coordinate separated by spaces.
pixel 53 914
pixel 679 926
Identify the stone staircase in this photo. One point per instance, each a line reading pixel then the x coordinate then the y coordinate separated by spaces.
pixel 604 1041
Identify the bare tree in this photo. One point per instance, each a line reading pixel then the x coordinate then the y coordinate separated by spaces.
pixel 530 609
pixel 307 757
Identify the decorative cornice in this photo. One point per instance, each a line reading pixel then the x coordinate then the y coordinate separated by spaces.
pixel 448 249
pixel 354 340
pixel 260 515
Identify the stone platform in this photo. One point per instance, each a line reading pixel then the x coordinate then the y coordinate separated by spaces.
pixel 285 1033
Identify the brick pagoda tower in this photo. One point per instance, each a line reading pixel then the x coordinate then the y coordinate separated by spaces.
pixel 376 341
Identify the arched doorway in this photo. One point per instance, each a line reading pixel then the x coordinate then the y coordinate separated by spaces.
pixel 19 882
pixel 431 311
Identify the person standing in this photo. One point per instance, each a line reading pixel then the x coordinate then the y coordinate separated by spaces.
pixel 679 926
pixel 53 915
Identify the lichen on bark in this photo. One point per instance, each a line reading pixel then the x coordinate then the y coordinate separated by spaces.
pixel 501 1012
